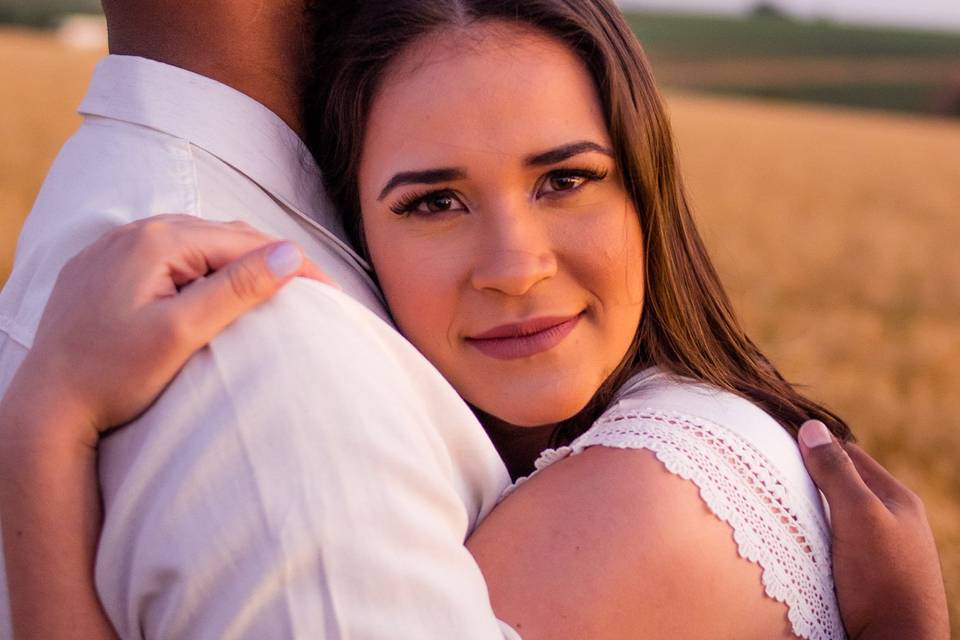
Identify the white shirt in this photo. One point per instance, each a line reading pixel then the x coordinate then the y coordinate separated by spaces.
pixel 309 474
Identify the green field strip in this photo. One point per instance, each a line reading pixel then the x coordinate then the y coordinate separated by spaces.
pixel 690 37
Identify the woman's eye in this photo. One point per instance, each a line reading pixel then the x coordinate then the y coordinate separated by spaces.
pixel 565 183
pixel 431 203
pixel 437 203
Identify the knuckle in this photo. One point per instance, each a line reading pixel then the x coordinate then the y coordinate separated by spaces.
pixel 240 225
pixel 833 457
pixel 151 233
pixel 121 236
pixel 150 226
pixel 914 502
pixel 247 229
pixel 875 517
pixel 244 281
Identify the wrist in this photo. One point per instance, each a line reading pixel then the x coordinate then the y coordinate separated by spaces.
pixel 40 408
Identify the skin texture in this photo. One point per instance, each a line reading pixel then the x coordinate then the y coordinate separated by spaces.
pixel 255 46
pixel 507 240
pixel 649 555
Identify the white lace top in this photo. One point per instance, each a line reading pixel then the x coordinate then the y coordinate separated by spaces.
pixel 749 473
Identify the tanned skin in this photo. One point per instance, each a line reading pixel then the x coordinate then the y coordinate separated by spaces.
pixel 258 47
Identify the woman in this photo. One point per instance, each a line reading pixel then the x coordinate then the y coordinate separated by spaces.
pixel 535 244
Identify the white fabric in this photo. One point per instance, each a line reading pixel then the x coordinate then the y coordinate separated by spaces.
pixel 307 475
pixel 750 475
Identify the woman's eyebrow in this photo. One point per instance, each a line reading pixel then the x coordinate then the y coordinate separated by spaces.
pixel 427 176
pixel 560 154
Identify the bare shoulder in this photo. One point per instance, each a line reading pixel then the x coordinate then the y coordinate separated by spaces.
pixel 607 543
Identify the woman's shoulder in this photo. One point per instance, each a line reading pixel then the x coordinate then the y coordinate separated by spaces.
pixel 748 472
pixel 659 411
pixel 656 390
pixel 655 397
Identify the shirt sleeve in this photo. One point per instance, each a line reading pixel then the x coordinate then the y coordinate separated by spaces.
pixel 307 475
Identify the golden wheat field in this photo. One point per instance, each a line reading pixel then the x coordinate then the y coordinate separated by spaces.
pixel 836 232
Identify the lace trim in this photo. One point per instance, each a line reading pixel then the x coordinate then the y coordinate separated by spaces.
pixel 788 541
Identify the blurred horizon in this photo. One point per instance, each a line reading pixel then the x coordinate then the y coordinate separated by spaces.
pixel 933 15
pixel 866 54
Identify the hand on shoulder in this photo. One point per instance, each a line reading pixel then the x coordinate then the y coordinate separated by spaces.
pixel 122 320
pixel 876 516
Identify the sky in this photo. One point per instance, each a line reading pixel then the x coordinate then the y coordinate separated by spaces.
pixel 936 14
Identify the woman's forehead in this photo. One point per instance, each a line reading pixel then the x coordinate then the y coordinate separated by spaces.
pixel 491 87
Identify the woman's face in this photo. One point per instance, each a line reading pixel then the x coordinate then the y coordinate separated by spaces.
pixel 494 213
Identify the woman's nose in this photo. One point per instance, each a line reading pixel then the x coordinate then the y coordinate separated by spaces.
pixel 513 255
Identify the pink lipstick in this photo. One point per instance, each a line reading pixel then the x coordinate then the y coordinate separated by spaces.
pixel 524 339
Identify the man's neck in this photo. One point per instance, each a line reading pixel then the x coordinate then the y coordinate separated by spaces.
pixel 260 50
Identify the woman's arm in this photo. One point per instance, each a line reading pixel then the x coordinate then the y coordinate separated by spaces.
pixel 608 544
pixel 118 327
pixel 50 508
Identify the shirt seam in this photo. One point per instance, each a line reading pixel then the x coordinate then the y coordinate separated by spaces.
pixel 194 181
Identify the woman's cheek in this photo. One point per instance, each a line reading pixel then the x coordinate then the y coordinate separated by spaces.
pixel 605 254
pixel 420 288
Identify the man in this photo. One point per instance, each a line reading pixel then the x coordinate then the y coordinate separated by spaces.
pixel 284 529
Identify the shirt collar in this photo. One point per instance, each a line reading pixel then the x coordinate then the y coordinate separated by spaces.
pixel 224 122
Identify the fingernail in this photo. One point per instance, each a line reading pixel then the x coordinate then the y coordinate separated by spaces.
pixel 284 260
pixel 815 434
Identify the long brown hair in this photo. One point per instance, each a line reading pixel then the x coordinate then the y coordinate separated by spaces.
pixel 688 327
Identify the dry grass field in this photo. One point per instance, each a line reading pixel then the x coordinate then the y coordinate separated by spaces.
pixel 836 232
pixel 41 83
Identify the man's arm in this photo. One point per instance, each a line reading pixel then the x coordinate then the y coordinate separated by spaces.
pixel 874 516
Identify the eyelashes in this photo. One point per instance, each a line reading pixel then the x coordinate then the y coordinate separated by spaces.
pixel 411 202
pixel 445 200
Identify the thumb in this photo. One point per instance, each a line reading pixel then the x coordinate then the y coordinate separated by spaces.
pixel 210 304
pixel 831 468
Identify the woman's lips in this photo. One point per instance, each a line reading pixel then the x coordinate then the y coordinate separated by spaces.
pixel 525 339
